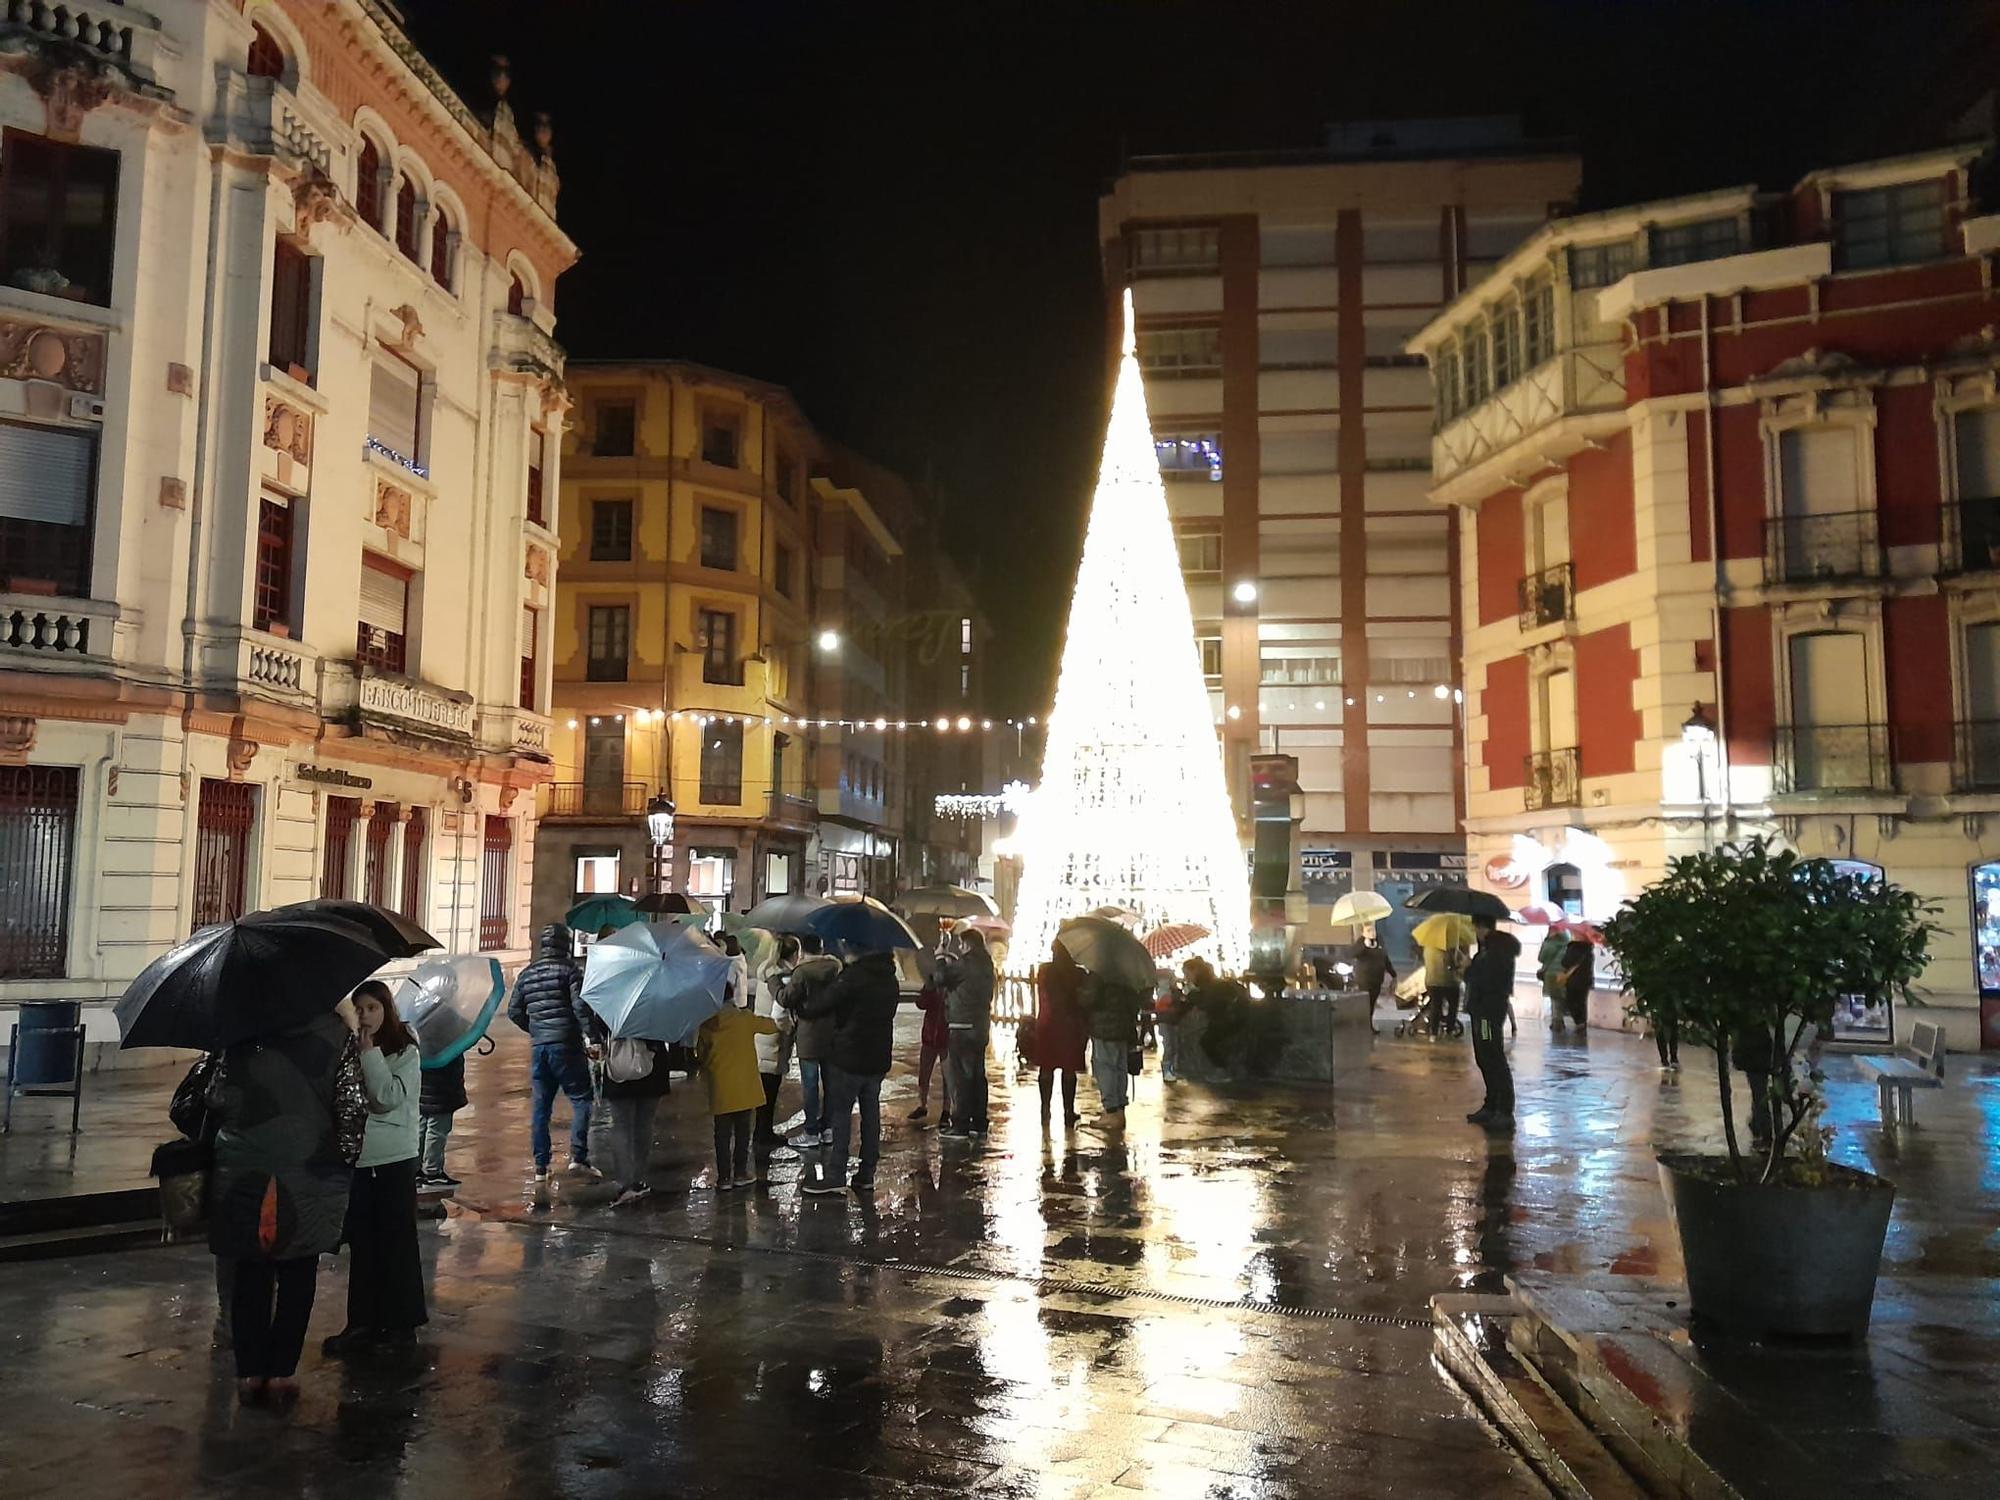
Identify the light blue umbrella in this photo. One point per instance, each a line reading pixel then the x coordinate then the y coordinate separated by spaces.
pixel 656 983
pixel 449 1003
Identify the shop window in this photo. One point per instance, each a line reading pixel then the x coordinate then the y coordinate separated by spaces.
pixel 225 814
pixel 717 639
pixel 406 219
pixel 292 310
pixel 38 853
pixel 47 486
pixel 416 841
pixel 1986 928
pixel 611 531
pixel 368 184
pixel 382 633
pixel 777 874
pixel 613 427
pixel 608 642
pixel 396 410
pixel 267 58
pixel 58 217
pixel 271 592
pixel 722 764
pixel 495 851
pixel 597 872
pixel 1563 885
pixel 712 876
pixel 718 538
pixel 341 815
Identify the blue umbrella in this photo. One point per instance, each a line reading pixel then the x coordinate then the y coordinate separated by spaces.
pixel 655 983
pixel 862 923
pixel 449 1003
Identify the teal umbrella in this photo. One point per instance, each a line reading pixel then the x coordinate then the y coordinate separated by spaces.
pixel 449 1003
pixel 655 983
pixel 593 914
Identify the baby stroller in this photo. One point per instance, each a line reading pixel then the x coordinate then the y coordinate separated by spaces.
pixel 1419 993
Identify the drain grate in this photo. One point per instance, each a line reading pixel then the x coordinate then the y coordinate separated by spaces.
pixel 1064 1284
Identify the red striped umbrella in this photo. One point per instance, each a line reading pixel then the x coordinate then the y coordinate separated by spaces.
pixel 1171 937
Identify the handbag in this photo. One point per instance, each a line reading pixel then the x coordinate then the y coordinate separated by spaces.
pixel 1135 1060
pixel 627 1060
pixel 350 1104
pixel 182 1168
pixel 191 1109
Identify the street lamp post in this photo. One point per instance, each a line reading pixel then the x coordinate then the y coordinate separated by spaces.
pixel 1698 734
pixel 660 828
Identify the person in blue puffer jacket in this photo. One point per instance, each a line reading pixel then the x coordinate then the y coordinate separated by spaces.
pixel 547 1004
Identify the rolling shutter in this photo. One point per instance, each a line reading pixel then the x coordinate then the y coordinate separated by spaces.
pixel 45 474
pixel 385 598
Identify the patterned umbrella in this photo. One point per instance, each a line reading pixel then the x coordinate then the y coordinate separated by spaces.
pixel 1170 937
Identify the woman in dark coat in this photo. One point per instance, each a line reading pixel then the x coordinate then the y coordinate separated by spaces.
pixel 1059 1029
pixel 1578 974
pixel 278 1189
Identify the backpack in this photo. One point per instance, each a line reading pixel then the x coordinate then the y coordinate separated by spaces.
pixel 627 1059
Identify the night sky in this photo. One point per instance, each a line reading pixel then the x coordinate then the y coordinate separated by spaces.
pixel 892 210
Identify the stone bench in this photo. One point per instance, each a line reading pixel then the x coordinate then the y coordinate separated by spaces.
pixel 1919 1065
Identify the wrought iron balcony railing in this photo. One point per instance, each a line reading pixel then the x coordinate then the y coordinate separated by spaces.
pixel 1978 761
pixel 595 799
pixel 1975 546
pixel 1812 548
pixel 1832 758
pixel 1554 780
pixel 1548 596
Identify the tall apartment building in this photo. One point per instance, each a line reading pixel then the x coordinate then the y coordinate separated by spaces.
pixel 276 312
pixel 1274 295
pixel 1727 467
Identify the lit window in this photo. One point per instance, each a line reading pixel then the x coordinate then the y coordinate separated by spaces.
pixel 1211 657
pixel 1201 552
pixel 1165 251
pixel 597 874
pixel 1197 453
pixel 1181 351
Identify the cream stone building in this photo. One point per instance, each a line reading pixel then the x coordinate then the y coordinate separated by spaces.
pixel 279 420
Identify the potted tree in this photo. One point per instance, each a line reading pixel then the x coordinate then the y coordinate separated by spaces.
pixel 1748 948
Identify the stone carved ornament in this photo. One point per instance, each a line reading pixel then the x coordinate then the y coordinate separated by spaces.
pixel 17 737
pixel 239 755
pixel 34 351
pixel 392 508
pixel 537 569
pixel 287 429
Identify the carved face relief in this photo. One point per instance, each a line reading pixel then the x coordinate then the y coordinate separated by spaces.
pixel 33 351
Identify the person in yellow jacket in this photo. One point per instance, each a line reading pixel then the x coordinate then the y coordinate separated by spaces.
pixel 728 1050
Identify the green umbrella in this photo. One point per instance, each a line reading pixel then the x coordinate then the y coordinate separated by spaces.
pixel 595 913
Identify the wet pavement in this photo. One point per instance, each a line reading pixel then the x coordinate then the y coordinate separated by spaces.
pixel 1229 1297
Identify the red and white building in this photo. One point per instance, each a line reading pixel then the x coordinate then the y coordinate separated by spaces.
pixel 1732 462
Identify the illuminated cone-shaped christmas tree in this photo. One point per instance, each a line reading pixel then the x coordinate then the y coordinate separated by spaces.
pixel 1132 810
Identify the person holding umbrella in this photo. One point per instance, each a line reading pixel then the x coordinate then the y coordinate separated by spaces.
pixel 278 1187
pixel 812 1034
pixel 967 978
pixel 1489 987
pixel 547 1005
pixel 1060 1029
pixel 385 1279
pixel 862 1004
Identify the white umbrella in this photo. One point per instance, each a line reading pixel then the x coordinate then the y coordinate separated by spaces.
pixel 654 983
pixel 1358 908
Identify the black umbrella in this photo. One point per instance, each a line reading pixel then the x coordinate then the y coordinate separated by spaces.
pixel 1110 950
pixel 947 901
pixel 783 913
pixel 267 972
pixel 671 904
pixel 1462 901
pixel 398 935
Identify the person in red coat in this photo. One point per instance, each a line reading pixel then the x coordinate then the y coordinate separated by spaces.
pixel 936 1038
pixel 1059 1029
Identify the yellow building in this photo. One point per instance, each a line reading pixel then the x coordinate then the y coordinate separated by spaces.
pixel 683 638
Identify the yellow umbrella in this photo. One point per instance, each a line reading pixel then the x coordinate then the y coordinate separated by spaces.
pixel 1445 930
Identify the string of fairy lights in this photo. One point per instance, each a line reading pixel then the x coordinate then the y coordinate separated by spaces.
pixel 942 724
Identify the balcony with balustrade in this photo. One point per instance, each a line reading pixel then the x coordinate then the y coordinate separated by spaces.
pixel 1554 779
pixel 1831 759
pixel 1547 597
pixel 39 634
pixel 520 345
pixel 119 43
pixel 1976 765
pixel 1972 544
pixel 592 801
pixel 1834 547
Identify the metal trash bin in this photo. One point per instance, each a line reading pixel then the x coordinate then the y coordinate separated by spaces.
pixel 45 1056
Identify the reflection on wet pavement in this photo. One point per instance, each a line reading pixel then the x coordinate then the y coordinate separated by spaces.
pixel 1226 1298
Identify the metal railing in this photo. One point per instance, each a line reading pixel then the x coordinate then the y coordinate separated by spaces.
pixel 1548 596
pixel 1809 548
pixel 1975 546
pixel 1978 759
pixel 1832 758
pixel 595 799
pixel 794 812
pixel 1554 779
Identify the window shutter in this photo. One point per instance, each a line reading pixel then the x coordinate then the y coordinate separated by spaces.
pixel 45 474
pixel 385 599
pixel 394 390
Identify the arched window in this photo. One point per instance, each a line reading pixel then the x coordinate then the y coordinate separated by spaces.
pixel 440 249
pixel 267 58
pixel 406 219
pixel 1563 885
pixel 517 295
pixel 368 184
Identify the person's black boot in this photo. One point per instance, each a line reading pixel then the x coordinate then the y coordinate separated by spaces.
pixel 348 1341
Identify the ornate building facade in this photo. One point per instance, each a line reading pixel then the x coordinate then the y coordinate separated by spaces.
pixel 280 419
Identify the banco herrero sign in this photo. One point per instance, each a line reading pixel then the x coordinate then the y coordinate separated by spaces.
pixel 406 703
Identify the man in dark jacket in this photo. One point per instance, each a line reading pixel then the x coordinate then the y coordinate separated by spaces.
pixel 813 1036
pixel 1489 987
pixel 862 1003
pixel 547 1005
pixel 967 979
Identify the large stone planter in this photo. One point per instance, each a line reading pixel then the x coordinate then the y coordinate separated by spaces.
pixel 1307 1056
pixel 1779 1260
